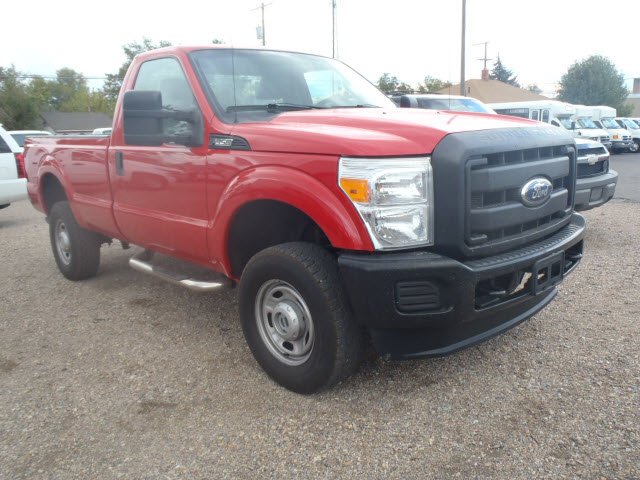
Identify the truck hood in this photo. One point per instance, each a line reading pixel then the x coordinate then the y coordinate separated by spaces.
pixel 367 131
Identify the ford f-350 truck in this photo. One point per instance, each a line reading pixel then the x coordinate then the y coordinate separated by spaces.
pixel 344 219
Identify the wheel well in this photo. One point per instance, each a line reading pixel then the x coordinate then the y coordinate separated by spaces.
pixel 52 191
pixel 264 223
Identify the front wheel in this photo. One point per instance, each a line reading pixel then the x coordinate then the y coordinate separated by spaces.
pixel 76 250
pixel 295 317
pixel 635 147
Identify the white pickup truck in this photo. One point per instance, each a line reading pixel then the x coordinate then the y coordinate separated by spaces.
pixel 13 183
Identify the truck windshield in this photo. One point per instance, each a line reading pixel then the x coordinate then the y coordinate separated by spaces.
pixel 253 85
pixel 631 123
pixel 610 123
pixel 453 104
pixel 586 123
pixel 566 122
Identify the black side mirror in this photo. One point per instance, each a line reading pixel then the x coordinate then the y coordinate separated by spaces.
pixel 143 121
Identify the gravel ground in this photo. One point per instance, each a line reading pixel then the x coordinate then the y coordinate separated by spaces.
pixel 126 376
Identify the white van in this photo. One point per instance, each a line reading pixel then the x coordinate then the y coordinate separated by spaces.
pixel 556 113
pixel 634 130
pixel 604 117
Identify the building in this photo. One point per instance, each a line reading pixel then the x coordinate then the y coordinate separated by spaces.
pixel 493 91
pixel 73 122
pixel 634 98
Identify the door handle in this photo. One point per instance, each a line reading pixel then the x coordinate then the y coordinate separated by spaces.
pixel 120 164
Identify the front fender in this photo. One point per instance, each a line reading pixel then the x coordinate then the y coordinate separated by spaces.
pixel 330 209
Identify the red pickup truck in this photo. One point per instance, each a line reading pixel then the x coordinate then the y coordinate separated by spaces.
pixel 345 220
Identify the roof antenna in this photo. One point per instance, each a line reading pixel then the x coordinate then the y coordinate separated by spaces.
pixel 233 77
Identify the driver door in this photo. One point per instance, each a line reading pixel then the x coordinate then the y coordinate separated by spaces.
pixel 159 198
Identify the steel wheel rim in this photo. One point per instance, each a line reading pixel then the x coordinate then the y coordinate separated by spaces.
pixel 63 242
pixel 284 322
pixel 635 147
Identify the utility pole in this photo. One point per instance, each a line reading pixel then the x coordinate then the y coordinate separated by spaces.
pixel 463 90
pixel 261 7
pixel 335 23
pixel 485 72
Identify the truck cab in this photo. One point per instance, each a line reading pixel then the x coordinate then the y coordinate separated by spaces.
pixel 604 117
pixel 633 129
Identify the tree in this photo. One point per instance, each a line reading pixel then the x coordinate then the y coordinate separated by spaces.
pixel 503 74
pixel 432 84
pixel 217 41
pixel 595 81
pixel 534 88
pixel 387 83
pixel 18 109
pixel 404 87
pixel 113 83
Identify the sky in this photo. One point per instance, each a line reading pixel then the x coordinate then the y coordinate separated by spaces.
pixel 537 39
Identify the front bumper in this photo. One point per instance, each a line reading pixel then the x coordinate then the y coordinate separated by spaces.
pixel 621 145
pixel 13 190
pixel 422 304
pixel 592 192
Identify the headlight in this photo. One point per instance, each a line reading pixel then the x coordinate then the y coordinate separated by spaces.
pixel 394 197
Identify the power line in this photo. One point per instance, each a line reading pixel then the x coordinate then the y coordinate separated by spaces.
pixel 79 77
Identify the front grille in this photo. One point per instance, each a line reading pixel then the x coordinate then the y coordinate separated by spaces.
pixel 626 138
pixel 605 138
pixel 496 215
pixel 583 152
pixel 586 170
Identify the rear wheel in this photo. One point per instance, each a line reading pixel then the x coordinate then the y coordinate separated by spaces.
pixel 635 147
pixel 296 319
pixel 76 250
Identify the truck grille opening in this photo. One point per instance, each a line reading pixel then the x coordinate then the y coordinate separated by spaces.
pixel 495 211
pixel 585 170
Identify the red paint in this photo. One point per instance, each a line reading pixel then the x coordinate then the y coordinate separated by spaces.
pixel 180 201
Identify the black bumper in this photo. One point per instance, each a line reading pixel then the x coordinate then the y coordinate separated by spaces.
pixel 422 304
pixel 592 192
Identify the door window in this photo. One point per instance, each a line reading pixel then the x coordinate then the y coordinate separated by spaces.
pixel 534 114
pixel 166 76
pixel 4 148
pixel 545 116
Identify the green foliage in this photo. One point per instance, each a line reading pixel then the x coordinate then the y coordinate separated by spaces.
pixel 404 87
pixel 18 108
pixel 216 41
pixel 534 88
pixel 113 83
pixel 387 83
pixel 595 81
pixel 432 84
pixel 503 74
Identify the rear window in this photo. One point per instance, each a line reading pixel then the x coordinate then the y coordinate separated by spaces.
pixel 4 148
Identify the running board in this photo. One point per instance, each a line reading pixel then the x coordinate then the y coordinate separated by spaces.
pixel 186 275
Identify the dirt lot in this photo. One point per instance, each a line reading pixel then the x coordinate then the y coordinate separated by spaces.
pixel 126 376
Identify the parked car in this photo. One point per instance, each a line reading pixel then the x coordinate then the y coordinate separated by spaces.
pixel 102 131
pixel 596 182
pixel 20 135
pixel 314 192
pixel 435 101
pixel 13 184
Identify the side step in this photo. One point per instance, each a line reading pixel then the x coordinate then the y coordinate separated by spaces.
pixel 181 273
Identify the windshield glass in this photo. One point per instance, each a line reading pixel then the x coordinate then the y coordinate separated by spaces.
pixel 20 137
pixel 566 122
pixel 586 123
pixel 259 84
pixel 454 104
pixel 610 123
pixel 630 123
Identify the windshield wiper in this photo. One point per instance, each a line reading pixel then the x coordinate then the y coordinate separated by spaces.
pixel 272 107
pixel 364 105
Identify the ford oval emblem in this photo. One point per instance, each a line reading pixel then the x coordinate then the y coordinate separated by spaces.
pixel 535 192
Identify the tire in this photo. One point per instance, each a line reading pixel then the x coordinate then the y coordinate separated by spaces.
pixel 4 205
pixel 635 148
pixel 293 294
pixel 76 250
